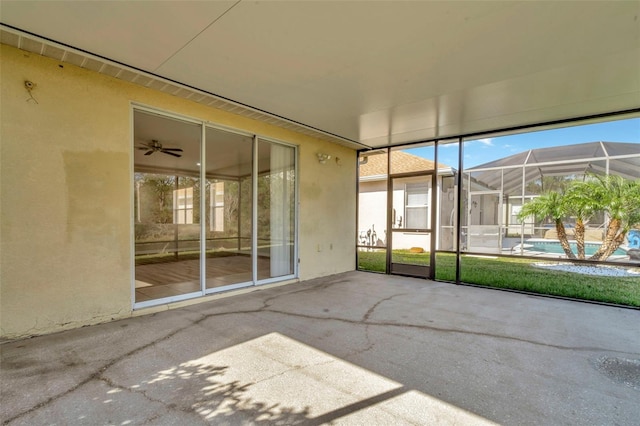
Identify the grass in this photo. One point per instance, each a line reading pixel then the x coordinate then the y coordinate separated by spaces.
pixel 519 274
pixel 374 261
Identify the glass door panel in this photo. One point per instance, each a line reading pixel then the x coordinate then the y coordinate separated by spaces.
pixel 229 171
pixel 276 210
pixel 411 225
pixel 167 207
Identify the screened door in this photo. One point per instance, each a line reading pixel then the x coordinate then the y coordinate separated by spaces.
pixel 483 233
pixel 411 213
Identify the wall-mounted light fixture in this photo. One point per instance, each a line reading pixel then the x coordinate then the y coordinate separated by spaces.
pixel 322 158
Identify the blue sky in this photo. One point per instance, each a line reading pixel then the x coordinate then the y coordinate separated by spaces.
pixel 484 150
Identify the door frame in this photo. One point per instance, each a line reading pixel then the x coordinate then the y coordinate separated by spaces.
pixel 500 217
pixel 417 271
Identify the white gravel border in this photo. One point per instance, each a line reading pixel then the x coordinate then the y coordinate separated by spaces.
pixel 600 270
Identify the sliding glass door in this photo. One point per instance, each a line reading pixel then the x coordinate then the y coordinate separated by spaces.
pixel 167 207
pixel 213 209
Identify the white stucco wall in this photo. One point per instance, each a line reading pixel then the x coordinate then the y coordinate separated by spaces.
pixel 372 209
pixel 372 199
pixel 65 258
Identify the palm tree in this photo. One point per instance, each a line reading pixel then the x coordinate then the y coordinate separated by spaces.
pixel 550 205
pixel 582 202
pixel 620 199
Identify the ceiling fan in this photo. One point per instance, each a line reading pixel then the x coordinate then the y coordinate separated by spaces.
pixel 155 146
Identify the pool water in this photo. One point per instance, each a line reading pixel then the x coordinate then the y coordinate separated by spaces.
pixel 551 246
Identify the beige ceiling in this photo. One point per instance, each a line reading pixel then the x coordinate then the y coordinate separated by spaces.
pixel 378 73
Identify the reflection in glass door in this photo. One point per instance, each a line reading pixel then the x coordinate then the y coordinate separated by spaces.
pixel 275 210
pixel 411 225
pixel 167 207
pixel 215 210
pixel 229 171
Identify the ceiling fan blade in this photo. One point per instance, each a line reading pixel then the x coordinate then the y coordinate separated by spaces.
pixel 142 147
pixel 170 153
pixel 172 149
pixel 149 152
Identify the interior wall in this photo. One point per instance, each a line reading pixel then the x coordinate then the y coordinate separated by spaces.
pixel 65 178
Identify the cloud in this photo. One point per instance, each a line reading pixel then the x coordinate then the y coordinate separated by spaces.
pixel 483 141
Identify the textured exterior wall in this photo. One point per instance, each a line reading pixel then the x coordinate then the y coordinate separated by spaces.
pixel 65 178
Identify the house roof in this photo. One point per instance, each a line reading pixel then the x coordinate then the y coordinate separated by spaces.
pixel 401 162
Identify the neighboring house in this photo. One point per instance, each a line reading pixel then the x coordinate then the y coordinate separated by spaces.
pixel 492 196
pixel 412 206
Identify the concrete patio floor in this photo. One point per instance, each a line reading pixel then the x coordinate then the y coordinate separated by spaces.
pixel 354 348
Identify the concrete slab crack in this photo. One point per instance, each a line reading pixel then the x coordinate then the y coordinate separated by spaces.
pixel 96 375
pixel 365 319
pixel 367 314
pixel 452 331
pixel 143 393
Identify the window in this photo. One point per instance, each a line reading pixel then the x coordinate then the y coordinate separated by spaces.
pixel 216 198
pixel 183 206
pixel 416 205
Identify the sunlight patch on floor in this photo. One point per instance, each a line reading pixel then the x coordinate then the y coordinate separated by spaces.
pixel 275 378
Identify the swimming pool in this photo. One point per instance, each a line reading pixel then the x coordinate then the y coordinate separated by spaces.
pixel 554 247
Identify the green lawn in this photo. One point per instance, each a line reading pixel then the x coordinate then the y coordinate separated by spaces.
pixel 518 274
pixel 373 261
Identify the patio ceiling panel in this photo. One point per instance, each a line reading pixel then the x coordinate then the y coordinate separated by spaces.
pixel 140 33
pixel 373 73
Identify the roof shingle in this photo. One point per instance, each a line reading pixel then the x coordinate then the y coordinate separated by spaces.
pixel 402 162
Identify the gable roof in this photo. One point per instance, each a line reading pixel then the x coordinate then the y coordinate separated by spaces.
pixel 402 162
